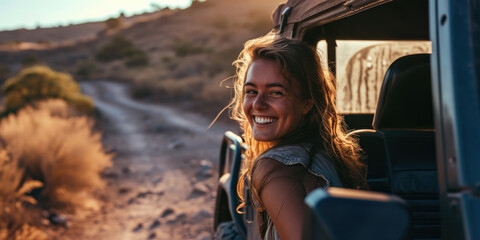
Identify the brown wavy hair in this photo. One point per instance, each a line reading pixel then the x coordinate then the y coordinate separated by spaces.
pixel 298 62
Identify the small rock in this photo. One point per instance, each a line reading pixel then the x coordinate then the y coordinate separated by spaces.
pixel 56 219
pixel 152 235
pixel 179 218
pixel 155 224
pixel 198 190
pixel 126 170
pixel 201 188
pixel 156 181
pixel 201 215
pixel 204 171
pixel 167 212
pixel 204 236
pixel 138 227
pixel 123 190
pixel 175 145
pixel 144 194
pixel 206 163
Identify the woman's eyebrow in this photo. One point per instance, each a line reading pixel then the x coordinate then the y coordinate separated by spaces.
pixel 275 85
pixel 269 85
pixel 249 84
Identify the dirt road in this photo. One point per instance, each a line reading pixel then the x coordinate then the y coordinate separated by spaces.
pixel 162 184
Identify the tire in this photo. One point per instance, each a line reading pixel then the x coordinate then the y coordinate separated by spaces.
pixel 227 231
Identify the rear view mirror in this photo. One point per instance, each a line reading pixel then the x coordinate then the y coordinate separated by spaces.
pixel 338 213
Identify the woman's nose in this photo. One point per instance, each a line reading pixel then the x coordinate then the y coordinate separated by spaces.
pixel 260 102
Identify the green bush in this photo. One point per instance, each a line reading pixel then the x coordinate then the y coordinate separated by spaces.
pixel 30 61
pixel 80 102
pixel 137 58
pixel 114 23
pixel 121 48
pixel 85 69
pixel 118 48
pixel 166 59
pixel 4 71
pixel 186 48
pixel 41 82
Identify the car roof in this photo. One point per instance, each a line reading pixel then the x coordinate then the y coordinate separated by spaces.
pixel 313 20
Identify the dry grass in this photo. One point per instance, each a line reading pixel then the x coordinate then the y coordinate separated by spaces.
pixel 15 217
pixel 57 149
pixel 24 232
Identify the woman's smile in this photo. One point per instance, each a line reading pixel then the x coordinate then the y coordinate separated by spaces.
pixel 263 120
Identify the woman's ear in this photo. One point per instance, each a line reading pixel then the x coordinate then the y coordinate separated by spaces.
pixel 308 106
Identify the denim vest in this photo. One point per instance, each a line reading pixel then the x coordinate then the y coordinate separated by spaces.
pixel 320 166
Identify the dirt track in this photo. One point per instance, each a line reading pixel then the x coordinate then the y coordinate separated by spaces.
pixel 162 184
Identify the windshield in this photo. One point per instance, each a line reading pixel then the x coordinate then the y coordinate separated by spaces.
pixel 360 67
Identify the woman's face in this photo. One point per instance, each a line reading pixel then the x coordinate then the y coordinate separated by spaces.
pixel 273 109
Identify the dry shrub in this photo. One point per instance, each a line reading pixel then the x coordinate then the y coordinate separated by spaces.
pixel 185 48
pixel 114 23
pixel 137 58
pixel 15 216
pixel 119 47
pixel 41 82
pixel 24 232
pixel 57 149
pixel 85 68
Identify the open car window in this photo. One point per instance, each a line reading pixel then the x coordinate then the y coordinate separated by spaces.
pixel 361 66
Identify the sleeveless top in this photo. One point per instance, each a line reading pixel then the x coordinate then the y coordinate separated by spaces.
pixel 320 166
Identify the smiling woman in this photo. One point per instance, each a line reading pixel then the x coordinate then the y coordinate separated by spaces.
pixel 296 142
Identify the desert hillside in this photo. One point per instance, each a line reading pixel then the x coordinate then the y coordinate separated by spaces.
pixel 169 54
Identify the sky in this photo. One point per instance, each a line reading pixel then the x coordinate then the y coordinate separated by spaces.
pixel 29 14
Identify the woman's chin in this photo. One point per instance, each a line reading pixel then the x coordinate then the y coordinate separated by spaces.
pixel 262 139
pixel 265 139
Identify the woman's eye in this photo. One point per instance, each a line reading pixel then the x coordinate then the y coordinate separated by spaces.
pixel 277 93
pixel 250 92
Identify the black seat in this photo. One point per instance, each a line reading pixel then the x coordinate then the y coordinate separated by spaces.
pixel 400 151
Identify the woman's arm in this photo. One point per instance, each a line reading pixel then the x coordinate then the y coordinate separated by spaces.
pixel 282 193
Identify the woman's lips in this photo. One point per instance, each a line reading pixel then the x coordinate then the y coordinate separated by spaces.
pixel 263 120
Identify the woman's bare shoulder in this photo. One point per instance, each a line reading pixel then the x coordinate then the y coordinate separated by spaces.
pixel 268 169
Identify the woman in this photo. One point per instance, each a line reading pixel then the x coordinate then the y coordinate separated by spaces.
pixel 284 103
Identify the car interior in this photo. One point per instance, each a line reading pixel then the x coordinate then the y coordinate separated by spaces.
pixel 398 140
pixel 400 150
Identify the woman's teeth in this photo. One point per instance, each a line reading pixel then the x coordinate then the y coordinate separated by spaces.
pixel 263 120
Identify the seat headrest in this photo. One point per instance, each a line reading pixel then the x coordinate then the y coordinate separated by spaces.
pixel 405 100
